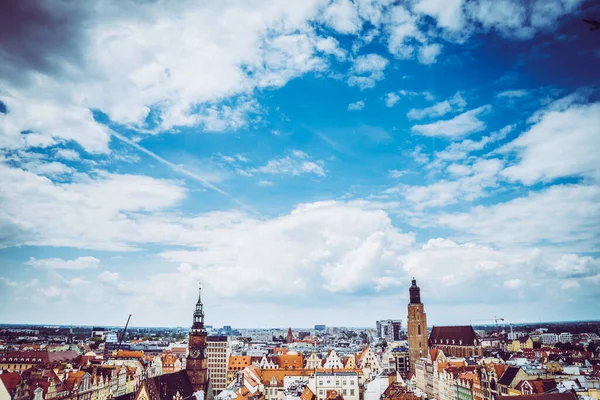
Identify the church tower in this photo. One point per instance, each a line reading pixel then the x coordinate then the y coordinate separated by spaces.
pixel 197 360
pixel 417 326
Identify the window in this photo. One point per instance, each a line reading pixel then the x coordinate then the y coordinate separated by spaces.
pixel 351 392
pixel 352 382
pixel 419 329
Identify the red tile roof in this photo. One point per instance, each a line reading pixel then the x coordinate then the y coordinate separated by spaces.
pixel 10 380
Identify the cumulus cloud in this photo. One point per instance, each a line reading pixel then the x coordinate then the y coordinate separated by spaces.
pixel 457 127
pixel 367 71
pixel 343 246
pixel 357 106
pixel 342 16
pixel 472 183
pixel 93 212
pixel 455 103
pixel 67 154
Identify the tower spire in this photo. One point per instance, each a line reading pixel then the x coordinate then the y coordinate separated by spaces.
pixel 198 323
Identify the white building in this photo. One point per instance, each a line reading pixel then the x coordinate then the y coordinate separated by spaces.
pixel 516 335
pixel 219 350
pixel 565 337
pixel 375 388
pixel 345 383
pixel 333 361
pixel 549 338
pixel 313 361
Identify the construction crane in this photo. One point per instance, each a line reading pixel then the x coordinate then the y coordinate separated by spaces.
pixel 495 319
pixel 123 333
pixel 497 330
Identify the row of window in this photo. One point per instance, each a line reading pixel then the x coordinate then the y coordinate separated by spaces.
pixel 344 392
pixel 337 382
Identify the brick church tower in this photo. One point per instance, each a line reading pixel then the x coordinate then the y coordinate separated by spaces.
pixel 417 326
pixel 197 360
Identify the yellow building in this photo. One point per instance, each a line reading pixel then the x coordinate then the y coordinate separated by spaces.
pixel 521 343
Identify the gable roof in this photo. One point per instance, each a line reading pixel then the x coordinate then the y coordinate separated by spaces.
pixel 453 335
pixel 508 376
pixel 538 385
pixel 165 387
pixel 10 380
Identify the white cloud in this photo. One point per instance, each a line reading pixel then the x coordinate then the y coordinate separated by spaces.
pixel 561 144
pixel 357 106
pixel 295 164
pixel 419 156
pixel 67 154
pixel 265 183
pixel 336 247
pixel 59 263
pixel 513 283
pixel 513 93
pixel 52 169
pixel 570 284
pixel 49 122
pixel 403 33
pixel 103 211
pixel 459 126
pixel 342 16
pixel 460 150
pixel 391 99
pixel 135 61
pixel 367 71
pixel 455 103
pixel 394 173
pixel 472 183
pixel 428 53
pixel 561 215
pixel 447 13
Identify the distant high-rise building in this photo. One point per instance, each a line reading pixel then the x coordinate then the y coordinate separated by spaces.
pixel 219 350
pixel 417 326
pixel 320 327
pixel 389 329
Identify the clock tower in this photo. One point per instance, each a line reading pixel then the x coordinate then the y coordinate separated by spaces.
pixel 197 359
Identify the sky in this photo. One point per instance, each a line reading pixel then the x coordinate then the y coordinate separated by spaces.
pixel 303 160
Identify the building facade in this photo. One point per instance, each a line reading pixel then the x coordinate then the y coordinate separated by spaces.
pixel 417 326
pixel 389 329
pixel 456 341
pixel 219 350
pixel 345 383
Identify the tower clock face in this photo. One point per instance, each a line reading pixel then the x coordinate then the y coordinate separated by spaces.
pixel 205 353
pixel 195 353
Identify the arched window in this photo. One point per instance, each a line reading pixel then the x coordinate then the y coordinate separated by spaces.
pixel 419 329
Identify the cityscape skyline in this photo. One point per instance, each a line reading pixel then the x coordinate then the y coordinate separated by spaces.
pixel 303 159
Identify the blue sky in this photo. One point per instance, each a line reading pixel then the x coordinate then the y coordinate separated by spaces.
pixel 304 161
